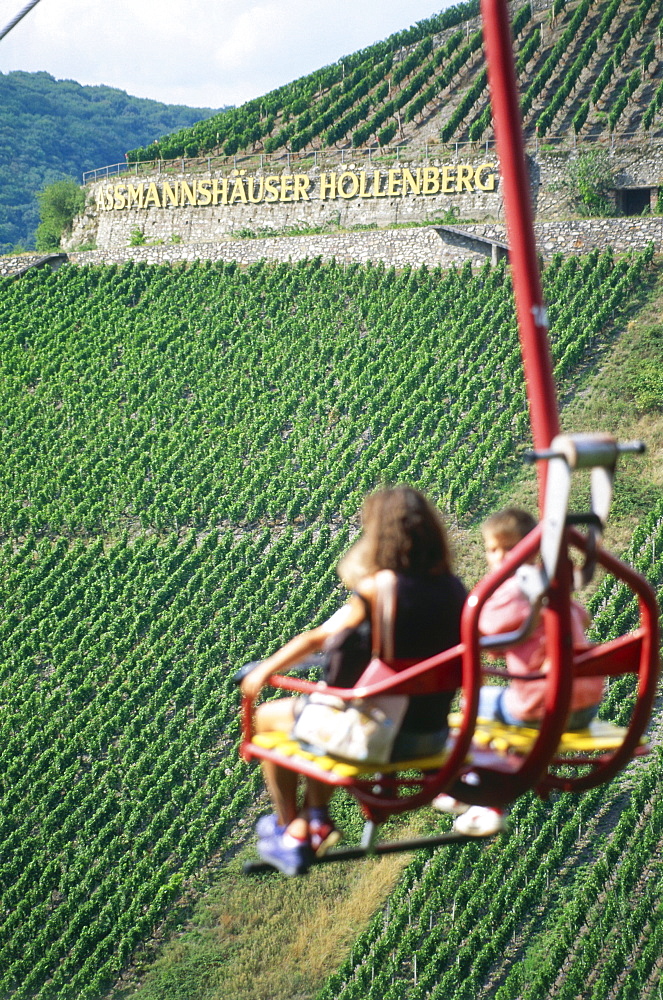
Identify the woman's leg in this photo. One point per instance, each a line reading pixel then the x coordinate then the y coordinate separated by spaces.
pixel 312 829
pixel 278 716
pixel 318 794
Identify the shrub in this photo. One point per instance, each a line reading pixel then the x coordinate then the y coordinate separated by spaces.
pixel 386 134
pixel 59 204
pixel 589 179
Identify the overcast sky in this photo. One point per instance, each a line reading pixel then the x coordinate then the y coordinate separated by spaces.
pixel 203 53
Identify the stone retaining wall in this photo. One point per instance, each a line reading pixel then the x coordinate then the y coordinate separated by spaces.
pixel 206 207
pixel 394 247
pixel 175 206
pixel 637 167
pixel 577 236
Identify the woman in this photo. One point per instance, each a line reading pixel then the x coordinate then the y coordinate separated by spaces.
pixel 402 532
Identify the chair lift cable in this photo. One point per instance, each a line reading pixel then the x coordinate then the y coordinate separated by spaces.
pixel 21 14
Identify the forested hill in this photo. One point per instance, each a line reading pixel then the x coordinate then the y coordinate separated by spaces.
pixel 50 129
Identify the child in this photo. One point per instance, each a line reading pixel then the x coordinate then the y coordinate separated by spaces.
pixel 522 703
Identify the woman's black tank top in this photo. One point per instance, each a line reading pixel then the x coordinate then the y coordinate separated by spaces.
pixel 428 610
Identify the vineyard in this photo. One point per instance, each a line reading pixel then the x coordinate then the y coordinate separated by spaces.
pixel 590 67
pixel 184 454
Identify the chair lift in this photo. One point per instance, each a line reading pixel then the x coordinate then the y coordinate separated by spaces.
pixel 557 457
pixel 506 761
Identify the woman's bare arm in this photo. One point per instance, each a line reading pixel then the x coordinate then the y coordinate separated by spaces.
pixel 302 645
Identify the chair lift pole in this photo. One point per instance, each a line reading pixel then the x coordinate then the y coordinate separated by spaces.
pixel 377 850
pixel 533 332
pixel 532 319
pixel 19 17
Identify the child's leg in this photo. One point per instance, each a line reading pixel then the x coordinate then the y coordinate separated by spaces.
pixel 480 821
pixel 490 697
pixel 477 820
pixel 492 707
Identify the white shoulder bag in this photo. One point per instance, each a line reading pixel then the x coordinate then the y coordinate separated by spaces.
pixel 363 729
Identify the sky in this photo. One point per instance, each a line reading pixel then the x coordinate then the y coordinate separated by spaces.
pixel 202 53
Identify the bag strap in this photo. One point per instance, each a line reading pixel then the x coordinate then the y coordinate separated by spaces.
pixel 384 616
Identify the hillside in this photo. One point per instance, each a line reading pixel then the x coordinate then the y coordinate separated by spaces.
pixel 52 129
pixel 205 436
pixel 586 68
pixel 185 451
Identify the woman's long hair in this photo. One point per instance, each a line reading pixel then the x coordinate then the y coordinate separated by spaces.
pixel 402 531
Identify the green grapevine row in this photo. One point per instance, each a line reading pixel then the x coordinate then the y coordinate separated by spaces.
pixel 205 437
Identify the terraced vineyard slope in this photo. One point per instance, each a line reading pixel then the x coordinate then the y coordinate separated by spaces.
pixel 590 68
pixel 185 451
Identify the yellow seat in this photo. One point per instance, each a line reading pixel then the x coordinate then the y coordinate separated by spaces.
pixel 599 735
pixel 497 736
pixel 284 744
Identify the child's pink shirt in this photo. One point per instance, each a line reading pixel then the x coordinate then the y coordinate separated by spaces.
pixel 505 611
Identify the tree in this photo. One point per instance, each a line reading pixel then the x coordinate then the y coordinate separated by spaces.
pixel 59 203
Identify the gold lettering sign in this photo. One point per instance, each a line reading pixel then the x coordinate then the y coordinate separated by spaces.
pixel 238 189
pixel 220 192
pixel 464 175
pixel 430 180
pixel 348 184
pixel 394 182
pixel 327 186
pixel 413 183
pixel 204 193
pixel 169 195
pixel 487 184
pixel 271 189
pixel 151 197
pixel 256 197
pixel 135 194
pixel 302 184
pixel 448 177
